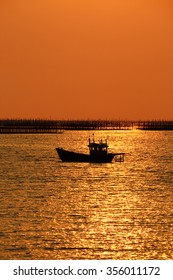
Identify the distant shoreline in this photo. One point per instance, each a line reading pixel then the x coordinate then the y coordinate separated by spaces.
pixel 25 126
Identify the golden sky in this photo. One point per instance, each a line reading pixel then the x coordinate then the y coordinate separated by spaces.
pixel 80 59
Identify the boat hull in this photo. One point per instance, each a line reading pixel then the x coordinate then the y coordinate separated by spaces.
pixel 68 156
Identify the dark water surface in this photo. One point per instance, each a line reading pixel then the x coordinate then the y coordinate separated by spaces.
pixel 55 210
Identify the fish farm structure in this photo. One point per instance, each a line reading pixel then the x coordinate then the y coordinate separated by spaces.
pixel 57 126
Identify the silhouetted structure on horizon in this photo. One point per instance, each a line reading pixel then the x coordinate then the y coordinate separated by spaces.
pixel 56 126
pixel 28 126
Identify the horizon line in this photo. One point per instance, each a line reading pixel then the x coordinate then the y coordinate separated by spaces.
pixel 87 119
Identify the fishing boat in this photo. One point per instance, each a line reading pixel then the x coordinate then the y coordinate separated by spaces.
pixel 98 153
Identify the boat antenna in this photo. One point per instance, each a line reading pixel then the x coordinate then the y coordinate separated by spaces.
pixel 107 137
pixel 89 137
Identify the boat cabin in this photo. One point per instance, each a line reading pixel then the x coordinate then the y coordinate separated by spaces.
pixel 98 148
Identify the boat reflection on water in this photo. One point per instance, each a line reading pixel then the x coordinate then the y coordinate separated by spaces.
pixel 98 153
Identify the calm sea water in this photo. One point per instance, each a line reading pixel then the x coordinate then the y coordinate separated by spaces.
pixel 55 210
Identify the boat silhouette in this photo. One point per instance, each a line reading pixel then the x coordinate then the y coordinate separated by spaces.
pixel 98 153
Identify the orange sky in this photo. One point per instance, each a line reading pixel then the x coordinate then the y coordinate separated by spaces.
pixel 80 59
